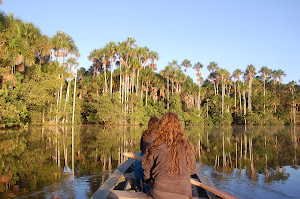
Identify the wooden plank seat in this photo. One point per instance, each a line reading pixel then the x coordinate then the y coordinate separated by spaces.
pixel 130 176
pixel 117 194
pixel 114 194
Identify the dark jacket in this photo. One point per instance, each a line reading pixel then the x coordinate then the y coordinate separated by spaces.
pixel 156 174
pixel 145 142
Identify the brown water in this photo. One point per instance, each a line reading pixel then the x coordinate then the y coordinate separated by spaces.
pixel 250 162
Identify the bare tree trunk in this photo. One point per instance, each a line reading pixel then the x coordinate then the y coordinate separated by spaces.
pixel 245 107
pixel 111 74
pixel 146 92
pixel 240 97
pixel 223 93
pixel 199 101
pixel 74 96
pixel 137 81
pixel 168 105
pixel 235 100
pixel 249 95
pixel 105 79
pixel 264 95
pixel 215 89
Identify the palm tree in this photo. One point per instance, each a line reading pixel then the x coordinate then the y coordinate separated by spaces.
pixel 250 71
pixel 264 72
pixel 142 56
pixel 292 88
pixel 212 67
pixel 274 75
pixel 148 75
pixel 111 49
pixel 166 74
pixel 174 66
pixel 224 76
pixel 104 57
pixel 236 74
pixel 244 88
pixel 153 56
pixel 186 63
pixel 280 73
pixel 70 62
pixel 62 44
pixel 94 56
pixel 43 48
pixel 198 66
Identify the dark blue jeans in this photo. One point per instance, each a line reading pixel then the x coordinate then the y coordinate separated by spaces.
pixel 139 172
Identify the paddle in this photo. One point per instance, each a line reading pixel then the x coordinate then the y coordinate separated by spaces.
pixel 218 192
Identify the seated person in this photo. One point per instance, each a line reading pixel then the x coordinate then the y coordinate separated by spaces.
pixel 169 161
pixel 146 139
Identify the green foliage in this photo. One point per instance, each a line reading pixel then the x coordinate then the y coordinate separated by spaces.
pixel 108 110
pixel 13 110
pixel 193 117
pixel 37 87
pixel 176 107
pixel 136 110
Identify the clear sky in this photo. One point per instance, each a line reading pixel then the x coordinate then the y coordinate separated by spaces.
pixel 233 33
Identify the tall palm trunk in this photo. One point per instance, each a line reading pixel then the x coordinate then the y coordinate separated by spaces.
pixel 249 94
pixel 105 77
pixel 172 87
pixel 111 74
pixel 168 88
pixel 235 99
pixel 244 97
pixel 223 93
pixel 199 101
pixel 240 97
pixel 74 96
pixel 215 89
pixel 137 81
pixel 61 84
pixel 146 92
pixel 120 82
pixel 264 95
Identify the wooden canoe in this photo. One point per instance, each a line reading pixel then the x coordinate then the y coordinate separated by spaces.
pixel 122 184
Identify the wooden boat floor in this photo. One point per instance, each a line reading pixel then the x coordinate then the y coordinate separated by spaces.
pixel 118 194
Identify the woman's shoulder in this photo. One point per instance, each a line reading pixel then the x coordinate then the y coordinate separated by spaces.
pixel 162 147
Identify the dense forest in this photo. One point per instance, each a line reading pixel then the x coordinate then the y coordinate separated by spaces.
pixel 42 84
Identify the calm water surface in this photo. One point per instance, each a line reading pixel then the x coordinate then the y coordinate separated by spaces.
pixel 250 162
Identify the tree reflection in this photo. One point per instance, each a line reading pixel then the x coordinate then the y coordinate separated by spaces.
pixel 258 150
pixel 40 157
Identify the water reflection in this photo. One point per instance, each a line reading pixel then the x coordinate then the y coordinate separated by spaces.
pixel 260 149
pixel 72 162
pixel 39 159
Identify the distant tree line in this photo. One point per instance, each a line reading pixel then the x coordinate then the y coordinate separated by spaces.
pixel 37 75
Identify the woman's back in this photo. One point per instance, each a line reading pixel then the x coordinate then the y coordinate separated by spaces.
pixel 157 174
pixel 169 160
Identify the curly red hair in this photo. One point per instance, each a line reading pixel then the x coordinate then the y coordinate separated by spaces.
pixel 171 133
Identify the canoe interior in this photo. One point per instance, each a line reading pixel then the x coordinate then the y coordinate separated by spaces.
pixel 123 184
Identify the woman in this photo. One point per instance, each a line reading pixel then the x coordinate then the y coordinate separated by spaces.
pixel 146 139
pixel 149 135
pixel 169 161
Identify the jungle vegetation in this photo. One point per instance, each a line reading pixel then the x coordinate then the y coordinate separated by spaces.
pixel 38 73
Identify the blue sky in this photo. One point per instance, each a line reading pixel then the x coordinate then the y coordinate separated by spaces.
pixel 233 33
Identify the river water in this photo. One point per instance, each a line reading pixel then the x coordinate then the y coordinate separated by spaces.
pixel 249 162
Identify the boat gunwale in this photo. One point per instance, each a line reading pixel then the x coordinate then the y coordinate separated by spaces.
pixel 104 190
